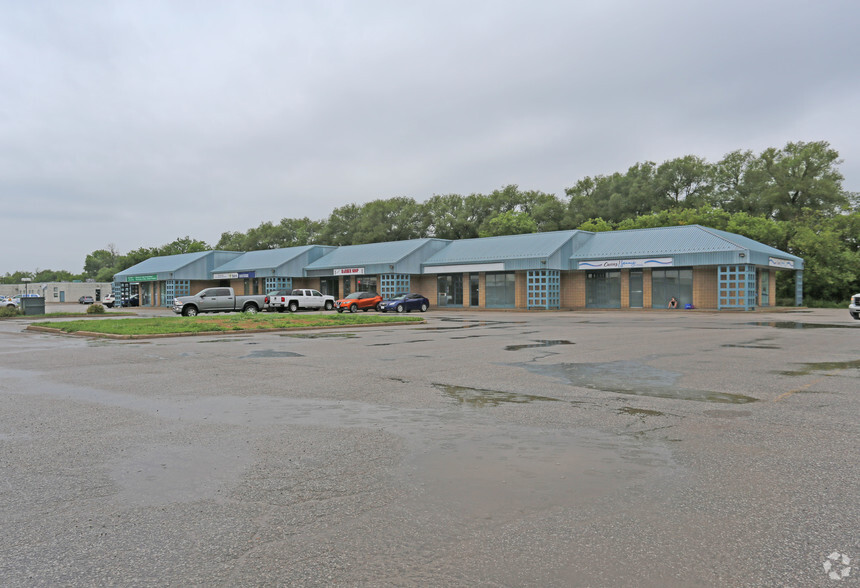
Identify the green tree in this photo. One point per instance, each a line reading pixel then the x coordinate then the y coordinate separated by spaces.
pixel 684 180
pixel 511 222
pixel 340 226
pixel 100 259
pixel 803 176
pixel 183 245
pixel 394 219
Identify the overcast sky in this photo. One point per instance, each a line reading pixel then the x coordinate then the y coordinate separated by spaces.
pixel 135 123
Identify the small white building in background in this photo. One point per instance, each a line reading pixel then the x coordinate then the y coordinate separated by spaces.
pixel 58 291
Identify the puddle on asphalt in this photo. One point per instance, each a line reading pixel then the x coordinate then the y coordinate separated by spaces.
pixel 796 325
pixel 824 366
pixel 321 335
pixel 226 340
pixel 398 343
pixel 540 343
pixel 449 328
pixel 271 353
pixel 755 344
pixel 470 324
pixel 627 377
pixel 479 397
pixel 640 412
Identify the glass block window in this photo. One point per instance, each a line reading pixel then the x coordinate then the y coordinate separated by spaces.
pixel 391 284
pixel 278 283
pixel 174 289
pixel 798 287
pixel 736 287
pixel 544 289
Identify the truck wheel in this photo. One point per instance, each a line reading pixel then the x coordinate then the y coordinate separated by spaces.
pixel 353 308
pixel 189 311
pixel 250 308
pixel 294 306
pixel 329 304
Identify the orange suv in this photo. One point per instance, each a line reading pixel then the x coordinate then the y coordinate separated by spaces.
pixel 359 301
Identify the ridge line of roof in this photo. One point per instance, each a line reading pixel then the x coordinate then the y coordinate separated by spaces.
pixel 710 231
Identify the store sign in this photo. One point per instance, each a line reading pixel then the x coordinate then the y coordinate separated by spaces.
pixel 147 278
pixel 234 275
pixel 349 271
pixel 626 263
pixel 783 263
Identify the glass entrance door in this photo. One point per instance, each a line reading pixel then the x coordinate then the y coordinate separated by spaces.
pixel 637 300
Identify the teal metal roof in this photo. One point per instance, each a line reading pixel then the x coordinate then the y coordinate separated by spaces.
pixel 185 266
pixel 263 260
pixel 368 254
pixel 484 249
pixel 752 245
pixel 690 244
pixel 167 263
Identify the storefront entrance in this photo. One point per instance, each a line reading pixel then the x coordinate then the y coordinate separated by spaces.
pixel 603 289
pixel 449 290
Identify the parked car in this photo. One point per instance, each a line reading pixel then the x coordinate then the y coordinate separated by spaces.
pixel 292 300
pixel 86 300
pixel 108 300
pixel 359 301
pixel 405 302
pixel 133 300
pixel 10 303
pixel 854 307
pixel 218 299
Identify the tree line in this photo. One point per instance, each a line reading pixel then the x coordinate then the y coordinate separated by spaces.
pixel 790 198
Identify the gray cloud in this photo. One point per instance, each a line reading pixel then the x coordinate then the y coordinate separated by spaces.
pixel 137 123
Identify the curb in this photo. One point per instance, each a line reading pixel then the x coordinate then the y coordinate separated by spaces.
pixel 94 335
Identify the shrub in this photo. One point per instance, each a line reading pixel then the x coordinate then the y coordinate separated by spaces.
pixel 95 309
pixel 7 311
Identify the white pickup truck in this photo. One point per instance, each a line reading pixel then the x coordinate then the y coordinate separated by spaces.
pixel 292 300
pixel 217 300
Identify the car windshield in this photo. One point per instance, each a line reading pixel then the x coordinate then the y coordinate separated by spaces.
pixel 355 295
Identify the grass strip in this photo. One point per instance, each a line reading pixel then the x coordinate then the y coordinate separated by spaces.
pixel 225 323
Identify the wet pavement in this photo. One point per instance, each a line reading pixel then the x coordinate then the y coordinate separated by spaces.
pixel 480 449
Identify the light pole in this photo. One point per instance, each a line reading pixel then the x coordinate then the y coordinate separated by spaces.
pixel 26 281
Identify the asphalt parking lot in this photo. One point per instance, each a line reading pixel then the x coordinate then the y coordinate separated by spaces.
pixel 479 449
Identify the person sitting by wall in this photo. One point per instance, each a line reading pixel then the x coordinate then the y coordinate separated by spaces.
pixel 673 303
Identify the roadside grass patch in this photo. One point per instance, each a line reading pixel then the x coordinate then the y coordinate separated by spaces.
pixel 231 322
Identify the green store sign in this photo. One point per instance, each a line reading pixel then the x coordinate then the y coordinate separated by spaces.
pixel 148 278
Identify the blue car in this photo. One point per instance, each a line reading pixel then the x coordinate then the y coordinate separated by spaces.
pixel 405 302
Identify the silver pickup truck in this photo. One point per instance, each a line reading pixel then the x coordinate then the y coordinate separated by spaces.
pixel 217 300
pixel 293 300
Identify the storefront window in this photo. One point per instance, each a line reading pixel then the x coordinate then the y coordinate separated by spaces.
pixel 500 290
pixel 449 290
pixel 603 289
pixel 668 283
pixel 365 284
pixel 328 286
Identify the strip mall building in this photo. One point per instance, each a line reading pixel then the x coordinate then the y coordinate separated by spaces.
pixel 644 268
